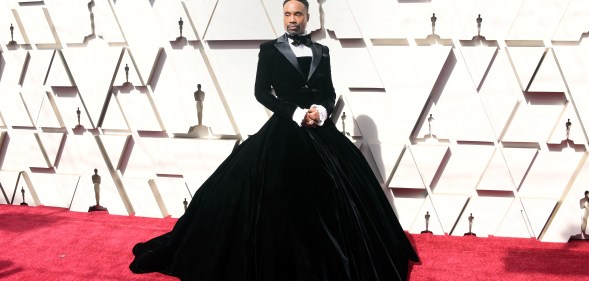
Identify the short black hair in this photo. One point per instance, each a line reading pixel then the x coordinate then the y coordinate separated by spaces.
pixel 587 191
pixel 305 2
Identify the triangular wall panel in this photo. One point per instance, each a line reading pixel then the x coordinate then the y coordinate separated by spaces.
pixel 487 213
pixel 478 60
pixel 430 160
pixel 93 85
pixel 58 73
pixel 525 60
pixel 340 20
pixel 496 175
pixel 548 77
pixel 385 156
pixel 433 224
pixel 515 222
pixel 240 20
pixel 406 174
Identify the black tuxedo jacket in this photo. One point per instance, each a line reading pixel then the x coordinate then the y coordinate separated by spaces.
pixel 278 69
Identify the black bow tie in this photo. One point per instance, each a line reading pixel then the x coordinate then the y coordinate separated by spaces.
pixel 297 40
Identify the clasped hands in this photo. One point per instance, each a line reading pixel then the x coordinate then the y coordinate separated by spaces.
pixel 312 118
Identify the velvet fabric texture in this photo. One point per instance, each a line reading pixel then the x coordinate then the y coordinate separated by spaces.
pixel 290 203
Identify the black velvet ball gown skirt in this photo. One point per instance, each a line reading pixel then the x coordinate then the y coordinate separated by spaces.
pixel 288 204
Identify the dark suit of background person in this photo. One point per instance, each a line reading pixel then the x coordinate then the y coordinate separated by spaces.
pixel 294 202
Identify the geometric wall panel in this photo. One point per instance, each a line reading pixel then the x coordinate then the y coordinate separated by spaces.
pixel 458 92
pixel 138 109
pixel 574 64
pixel 406 174
pixel 448 208
pixel 54 189
pixel 566 221
pixel 370 14
pixel 21 151
pixel 408 84
pixel 200 12
pixel 114 118
pixel 140 26
pixel 475 126
pixel 500 92
pixel 13 64
pixel 30 195
pixel 236 71
pixel 410 202
pixel 498 17
pixel 67 101
pixel 47 115
pixel 173 92
pixel 9 179
pixel 240 20
pixel 431 161
pixel 514 224
pixel 371 120
pixel 58 74
pixel 33 78
pixel 576 132
pixel 176 157
pixel 168 14
pixel 496 175
pixel 548 77
pixel 533 121
pixel 114 145
pixel 525 61
pixel 550 174
pixel 109 195
pixel 132 75
pixel 36 24
pixel 499 107
pixel 106 22
pixel 52 146
pixel 434 222
pixel 144 206
pixel 574 22
pixel 538 211
pixel 478 60
pixel 519 161
pixel 13 108
pixel 386 157
pixel 93 85
pixel 488 212
pixel 6 19
pixel 358 59
pixel 537 19
pixel 173 192
pixel 71 24
pixel 341 20
pixel 464 169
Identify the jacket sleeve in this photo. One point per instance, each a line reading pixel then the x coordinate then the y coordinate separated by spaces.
pixel 328 90
pixel 263 85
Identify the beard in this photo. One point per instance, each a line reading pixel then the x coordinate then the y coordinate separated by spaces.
pixel 294 30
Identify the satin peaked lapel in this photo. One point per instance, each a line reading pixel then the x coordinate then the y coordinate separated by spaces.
pixel 283 46
pixel 317 55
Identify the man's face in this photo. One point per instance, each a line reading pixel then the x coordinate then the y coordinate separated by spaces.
pixel 295 17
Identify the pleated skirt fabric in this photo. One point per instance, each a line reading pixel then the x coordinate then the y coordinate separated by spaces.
pixel 288 204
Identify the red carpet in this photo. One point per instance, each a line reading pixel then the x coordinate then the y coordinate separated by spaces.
pixel 43 243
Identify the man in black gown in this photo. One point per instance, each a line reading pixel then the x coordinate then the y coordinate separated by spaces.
pixel 296 201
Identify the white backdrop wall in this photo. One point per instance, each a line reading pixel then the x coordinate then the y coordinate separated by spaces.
pixel 496 146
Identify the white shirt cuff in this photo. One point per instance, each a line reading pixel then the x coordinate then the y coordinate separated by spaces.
pixel 299 115
pixel 322 113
